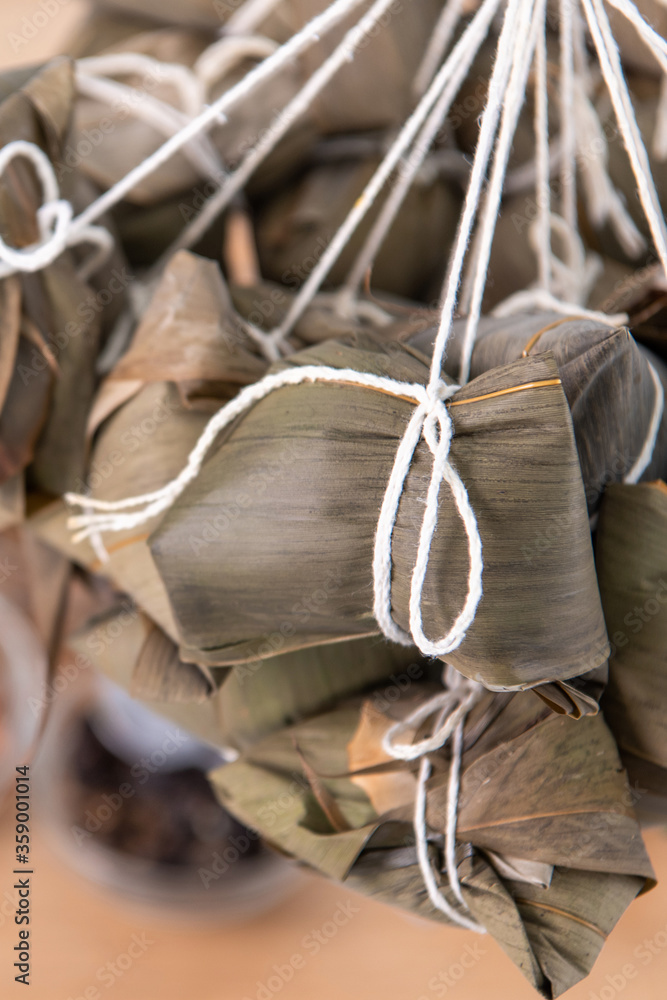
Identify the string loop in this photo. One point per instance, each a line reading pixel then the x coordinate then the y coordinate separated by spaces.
pixel 452 705
pixel 430 420
pixel 54 218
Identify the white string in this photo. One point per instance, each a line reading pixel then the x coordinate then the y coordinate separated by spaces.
pixel 487 131
pixel 655 42
pixel 409 169
pixel 568 175
pixel 539 299
pixel 603 200
pixel 646 455
pixel 438 45
pixel 160 116
pixel 70 231
pixel 215 112
pixel 612 72
pixel 657 45
pixel 53 220
pixel 542 165
pixel 270 138
pixel 453 706
pixel 430 420
pixel 366 199
pixel 221 57
pixel 249 16
pixel 525 38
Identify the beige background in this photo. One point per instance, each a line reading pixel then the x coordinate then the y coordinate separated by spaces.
pixel 379 954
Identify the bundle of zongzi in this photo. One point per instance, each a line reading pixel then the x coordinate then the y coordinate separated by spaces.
pixel 609 381
pixel 548 852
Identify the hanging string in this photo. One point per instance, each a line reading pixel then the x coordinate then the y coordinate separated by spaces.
pixel 366 199
pixel 408 171
pixel 542 188
pixel 160 116
pixel 69 231
pixel 278 128
pixel 526 38
pixel 453 706
pixel 610 64
pixel 645 457
pixel 438 45
pixel 602 199
pixel 186 86
pixel 568 173
pixel 487 131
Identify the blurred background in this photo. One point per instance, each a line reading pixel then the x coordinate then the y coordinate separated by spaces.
pixel 143 887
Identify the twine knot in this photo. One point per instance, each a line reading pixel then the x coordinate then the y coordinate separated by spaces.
pixel 54 220
pixel 452 706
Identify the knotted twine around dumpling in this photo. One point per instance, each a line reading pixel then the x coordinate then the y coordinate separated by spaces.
pixel 430 420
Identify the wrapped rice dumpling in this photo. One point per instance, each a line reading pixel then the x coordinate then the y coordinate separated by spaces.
pixel 131 131
pixel 606 380
pixel 189 354
pixel 296 224
pixel 240 705
pixel 51 320
pixel 549 855
pixel 631 549
pixel 303 473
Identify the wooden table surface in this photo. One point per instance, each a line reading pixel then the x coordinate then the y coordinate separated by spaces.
pixel 376 954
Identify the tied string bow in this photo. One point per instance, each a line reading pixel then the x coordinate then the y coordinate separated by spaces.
pixel 452 707
pixel 430 420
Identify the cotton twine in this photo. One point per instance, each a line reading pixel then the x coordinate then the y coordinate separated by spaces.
pixel 521 38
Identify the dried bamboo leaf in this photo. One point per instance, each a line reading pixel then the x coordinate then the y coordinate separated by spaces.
pixel 296 223
pixel 159 674
pixel 10 326
pixel 59 458
pixel 45 411
pixel 141 447
pixel 198 13
pixel 12 502
pixel 553 933
pixel 303 474
pixel 606 380
pixel 190 331
pixel 632 569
